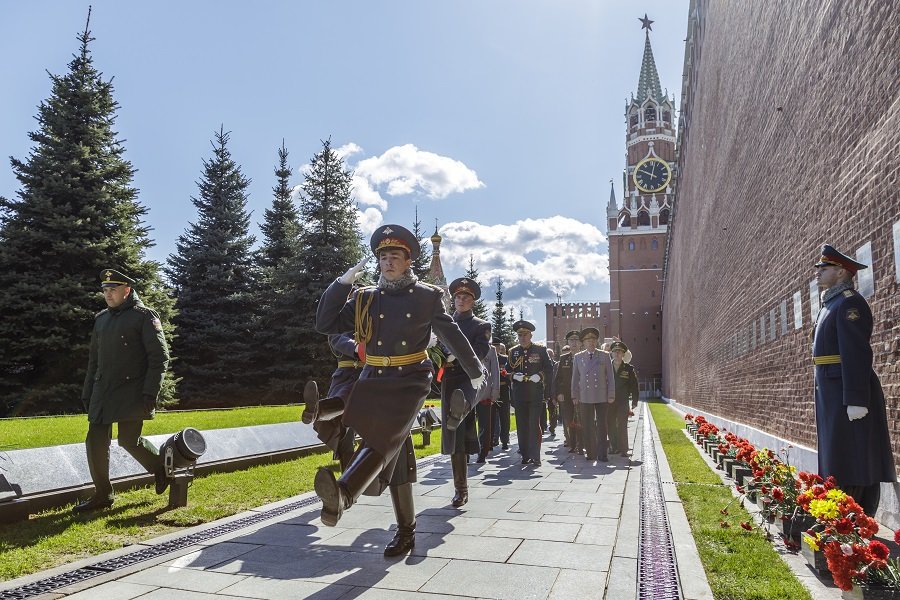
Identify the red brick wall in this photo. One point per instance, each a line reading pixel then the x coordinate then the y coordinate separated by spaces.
pixel 760 189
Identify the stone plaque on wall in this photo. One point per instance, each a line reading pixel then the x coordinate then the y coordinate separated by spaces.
pixel 798 310
pixel 813 300
pixel 897 251
pixel 784 323
pixel 866 277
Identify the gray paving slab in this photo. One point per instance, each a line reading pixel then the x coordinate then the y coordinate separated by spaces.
pixel 286 589
pixel 586 557
pixel 498 581
pixel 195 580
pixel 572 584
pixel 114 590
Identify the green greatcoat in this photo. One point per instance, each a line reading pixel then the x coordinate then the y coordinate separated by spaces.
pixel 128 358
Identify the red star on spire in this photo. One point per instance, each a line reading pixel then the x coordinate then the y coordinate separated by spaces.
pixel 646 22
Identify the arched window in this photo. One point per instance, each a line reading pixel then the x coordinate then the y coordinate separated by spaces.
pixel 643 218
pixel 650 113
pixel 667 117
pixel 633 121
pixel 625 220
pixel 631 245
pixel 664 216
pixel 654 245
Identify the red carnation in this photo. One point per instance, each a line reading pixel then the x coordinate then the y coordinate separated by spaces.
pixel 746 525
pixel 879 550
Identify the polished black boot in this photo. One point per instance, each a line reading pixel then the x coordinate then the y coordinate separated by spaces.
pixel 94 503
pixel 311 399
pixel 456 410
pixel 458 462
pixel 325 409
pixel 405 511
pixel 339 495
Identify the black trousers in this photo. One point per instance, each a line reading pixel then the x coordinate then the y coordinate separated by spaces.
pixel 528 424
pixel 97 442
pixel 567 416
pixel 593 428
pixel 617 423
pixel 502 409
pixel 488 423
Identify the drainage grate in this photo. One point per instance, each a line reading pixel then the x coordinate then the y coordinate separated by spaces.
pixel 69 577
pixel 657 570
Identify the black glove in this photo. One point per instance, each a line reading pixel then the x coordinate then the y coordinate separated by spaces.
pixel 149 404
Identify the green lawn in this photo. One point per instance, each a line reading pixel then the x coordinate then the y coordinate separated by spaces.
pixel 740 565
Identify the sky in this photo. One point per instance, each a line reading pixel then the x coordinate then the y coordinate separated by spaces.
pixel 501 120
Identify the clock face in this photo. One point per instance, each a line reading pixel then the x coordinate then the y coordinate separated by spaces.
pixel 652 175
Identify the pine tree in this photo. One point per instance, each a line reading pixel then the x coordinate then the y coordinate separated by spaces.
pixel 76 214
pixel 501 326
pixel 276 335
pixel 330 244
pixel 479 309
pixel 422 265
pixel 214 277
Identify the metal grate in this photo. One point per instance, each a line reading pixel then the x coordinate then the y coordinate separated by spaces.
pixel 69 577
pixel 657 568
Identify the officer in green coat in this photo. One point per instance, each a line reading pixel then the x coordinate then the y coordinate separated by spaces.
pixel 128 358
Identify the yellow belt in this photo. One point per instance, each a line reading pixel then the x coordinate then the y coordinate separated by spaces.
pixel 396 361
pixel 829 359
pixel 353 364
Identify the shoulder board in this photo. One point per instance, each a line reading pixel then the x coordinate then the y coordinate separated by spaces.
pixel 430 286
pixel 536 345
pixel 101 312
pixel 848 293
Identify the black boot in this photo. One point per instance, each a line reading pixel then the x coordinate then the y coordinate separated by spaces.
pixel 94 503
pixel 456 410
pixel 325 409
pixel 458 461
pixel 338 496
pixel 405 511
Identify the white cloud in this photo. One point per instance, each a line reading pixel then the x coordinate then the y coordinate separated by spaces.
pixel 365 194
pixel 408 170
pixel 369 220
pixel 536 258
pixel 348 149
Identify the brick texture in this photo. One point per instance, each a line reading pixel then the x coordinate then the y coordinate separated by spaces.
pixel 789 137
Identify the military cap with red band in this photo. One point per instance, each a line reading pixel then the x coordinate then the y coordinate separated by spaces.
pixel 395 237
pixel 464 285
pixel 831 257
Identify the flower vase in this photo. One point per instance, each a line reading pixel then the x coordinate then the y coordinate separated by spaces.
pixel 871 592
pixel 726 465
pixel 792 527
pixel 815 559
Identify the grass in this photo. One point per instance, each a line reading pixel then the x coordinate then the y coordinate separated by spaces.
pixel 56 536
pixel 740 565
pixel 35 432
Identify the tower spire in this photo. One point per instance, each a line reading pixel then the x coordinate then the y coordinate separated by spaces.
pixel 648 82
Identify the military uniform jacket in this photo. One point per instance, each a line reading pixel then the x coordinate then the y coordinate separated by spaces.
pixel 854 452
pixel 563 378
pixel 385 401
pixel 593 381
pixel 527 362
pixel 344 347
pixel 127 360
pixel 626 383
pixel 478 333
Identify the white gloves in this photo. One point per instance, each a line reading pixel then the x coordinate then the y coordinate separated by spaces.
pixel 353 272
pixel 536 378
pixel 856 412
pixel 432 341
pixel 450 358
pixel 476 383
pixel 518 377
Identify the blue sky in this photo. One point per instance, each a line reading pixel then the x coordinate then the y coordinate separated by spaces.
pixel 502 119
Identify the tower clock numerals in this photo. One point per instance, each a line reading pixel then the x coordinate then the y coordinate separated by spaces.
pixel 652 175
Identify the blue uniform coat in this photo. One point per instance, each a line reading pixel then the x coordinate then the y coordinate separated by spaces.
pixel 464 438
pixel 854 452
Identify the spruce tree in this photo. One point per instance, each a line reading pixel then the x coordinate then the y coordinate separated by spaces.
pixel 214 276
pixel 501 326
pixel 479 309
pixel 422 265
pixel 76 214
pixel 330 244
pixel 276 335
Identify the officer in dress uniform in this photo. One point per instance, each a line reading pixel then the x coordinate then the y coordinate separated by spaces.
pixel 626 390
pixel 563 388
pixel 532 372
pixel 463 440
pixel 853 441
pixel 325 414
pixel 128 358
pixel 593 389
pixel 392 324
pixel 502 404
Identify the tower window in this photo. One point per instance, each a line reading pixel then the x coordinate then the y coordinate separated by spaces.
pixel 631 245
pixel 664 216
pixel 654 245
pixel 643 218
pixel 667 117
pixel 633 121
pixel 625 220
pixel 650 113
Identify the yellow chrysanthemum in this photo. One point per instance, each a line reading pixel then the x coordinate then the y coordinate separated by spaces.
pixel 824 509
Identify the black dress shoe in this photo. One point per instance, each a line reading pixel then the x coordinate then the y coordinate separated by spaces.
pixel 505 447
pixel 481 458
pixel 94 503
pixel 332 495
pixel 456 410
pixel 162 482
pixel 311 402
pixel 572 450
pixel 402 543
pixel 525 461
pixel 603 459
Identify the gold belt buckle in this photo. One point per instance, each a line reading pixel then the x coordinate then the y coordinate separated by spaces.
pixel 385 361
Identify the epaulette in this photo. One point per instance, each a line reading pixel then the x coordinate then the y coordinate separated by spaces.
pixel 431 285
pixel 848 293
pixel 101 312
pixel 536 345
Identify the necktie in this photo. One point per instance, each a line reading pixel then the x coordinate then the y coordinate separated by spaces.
pixel 591 355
